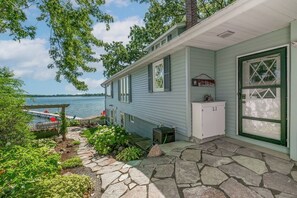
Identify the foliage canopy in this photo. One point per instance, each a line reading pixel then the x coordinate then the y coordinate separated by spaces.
pixel 14 129
pixel 71 38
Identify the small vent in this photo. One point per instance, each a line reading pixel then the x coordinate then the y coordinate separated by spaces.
pixel 225 34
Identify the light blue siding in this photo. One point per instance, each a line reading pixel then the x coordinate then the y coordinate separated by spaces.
pixel 166 108
pixel 201 62
pixel 226 63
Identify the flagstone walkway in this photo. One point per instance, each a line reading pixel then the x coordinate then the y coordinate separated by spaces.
pixel 214 169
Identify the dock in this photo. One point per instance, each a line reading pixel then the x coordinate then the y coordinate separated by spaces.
pixel 49 115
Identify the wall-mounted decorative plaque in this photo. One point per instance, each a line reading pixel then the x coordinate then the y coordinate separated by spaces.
pixel 203 80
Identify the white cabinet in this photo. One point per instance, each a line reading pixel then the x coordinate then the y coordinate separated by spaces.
pixel 208 119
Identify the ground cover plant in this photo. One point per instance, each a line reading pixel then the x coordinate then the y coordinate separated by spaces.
pixel 72 163
pixel 130 153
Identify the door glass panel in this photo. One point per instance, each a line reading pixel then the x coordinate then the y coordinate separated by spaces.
pixel 260 128
pixel 262 103
pixel 262 71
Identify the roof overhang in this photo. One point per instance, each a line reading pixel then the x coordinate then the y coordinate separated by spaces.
pixel 246 18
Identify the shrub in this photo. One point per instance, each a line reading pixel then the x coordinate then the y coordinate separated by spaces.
pixel 46 142
pixel 73 122
pixel 89 132
pixel 14 128
pixel 22 167
pixel 45 133
pixel 72 162
pixel 71 186
pixel 108 138
pixel 76 142
pixel 130 153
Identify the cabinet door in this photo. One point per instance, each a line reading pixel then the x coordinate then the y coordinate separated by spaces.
pixel 208 122
pixel 220 119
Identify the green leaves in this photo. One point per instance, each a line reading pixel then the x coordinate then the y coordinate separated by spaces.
pixel 13 120
pixel 72 41
pixel 130 153
pixel 107 139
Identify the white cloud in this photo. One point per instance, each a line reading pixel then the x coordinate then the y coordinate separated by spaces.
pixel 93 85
pixel 28 58
pixel 119 3
pixel 119 30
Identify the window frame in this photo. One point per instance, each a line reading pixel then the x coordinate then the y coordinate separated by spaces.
pixel 131 118
pixel 108 90
pixel 124 89
pixel 154 65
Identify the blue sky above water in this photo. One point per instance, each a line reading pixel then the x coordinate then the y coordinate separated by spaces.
pixel 29 58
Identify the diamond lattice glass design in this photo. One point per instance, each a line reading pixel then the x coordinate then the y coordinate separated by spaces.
pixel 262 71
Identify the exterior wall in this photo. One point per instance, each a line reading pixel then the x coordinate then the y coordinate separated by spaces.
pixel 166 108
pixel 226 77
pixel 140 127
pixel 293 93
pixel 201 61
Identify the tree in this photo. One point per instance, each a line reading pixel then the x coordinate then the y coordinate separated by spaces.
pixel 14 128
pixel 71 38
pixel 160 16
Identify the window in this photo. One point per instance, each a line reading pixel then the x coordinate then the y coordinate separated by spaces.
pixel 158 76
pixel 131 118
pixel 109 90
pixel 110 116
pixel 125 89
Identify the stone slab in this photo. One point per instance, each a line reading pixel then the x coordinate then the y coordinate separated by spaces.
pixel 212 176
pixel 203 192
pixel 285 195
pixel 108 178
pixel 163 188
pixel 186 172
pixel 168 147
pixel 280 182
pixel 215 161
pixel 223 153
pixel 256 165
pixel 115 190
pixel 158 160
pixel 109 169
pixel 141 175
pixel 265 193
pixel 191 155
pixel 249 152
pixel 226 145
pixel 163 171
pixel 294 175
pixel 249 177
pixel 234 189
pixel 137 192
pixel 279 165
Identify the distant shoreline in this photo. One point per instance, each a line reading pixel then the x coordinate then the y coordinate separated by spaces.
pixel 65 95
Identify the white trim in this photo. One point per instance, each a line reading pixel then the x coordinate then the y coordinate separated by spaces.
pixel 288 85
pixel 188 93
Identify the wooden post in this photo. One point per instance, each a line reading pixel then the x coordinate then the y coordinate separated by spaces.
pixel 64 124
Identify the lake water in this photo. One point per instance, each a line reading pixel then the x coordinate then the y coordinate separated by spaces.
pixel 79 106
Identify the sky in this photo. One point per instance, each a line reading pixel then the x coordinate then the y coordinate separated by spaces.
pixel 29 58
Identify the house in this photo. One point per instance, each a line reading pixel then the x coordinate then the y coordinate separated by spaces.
pixel 249 48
